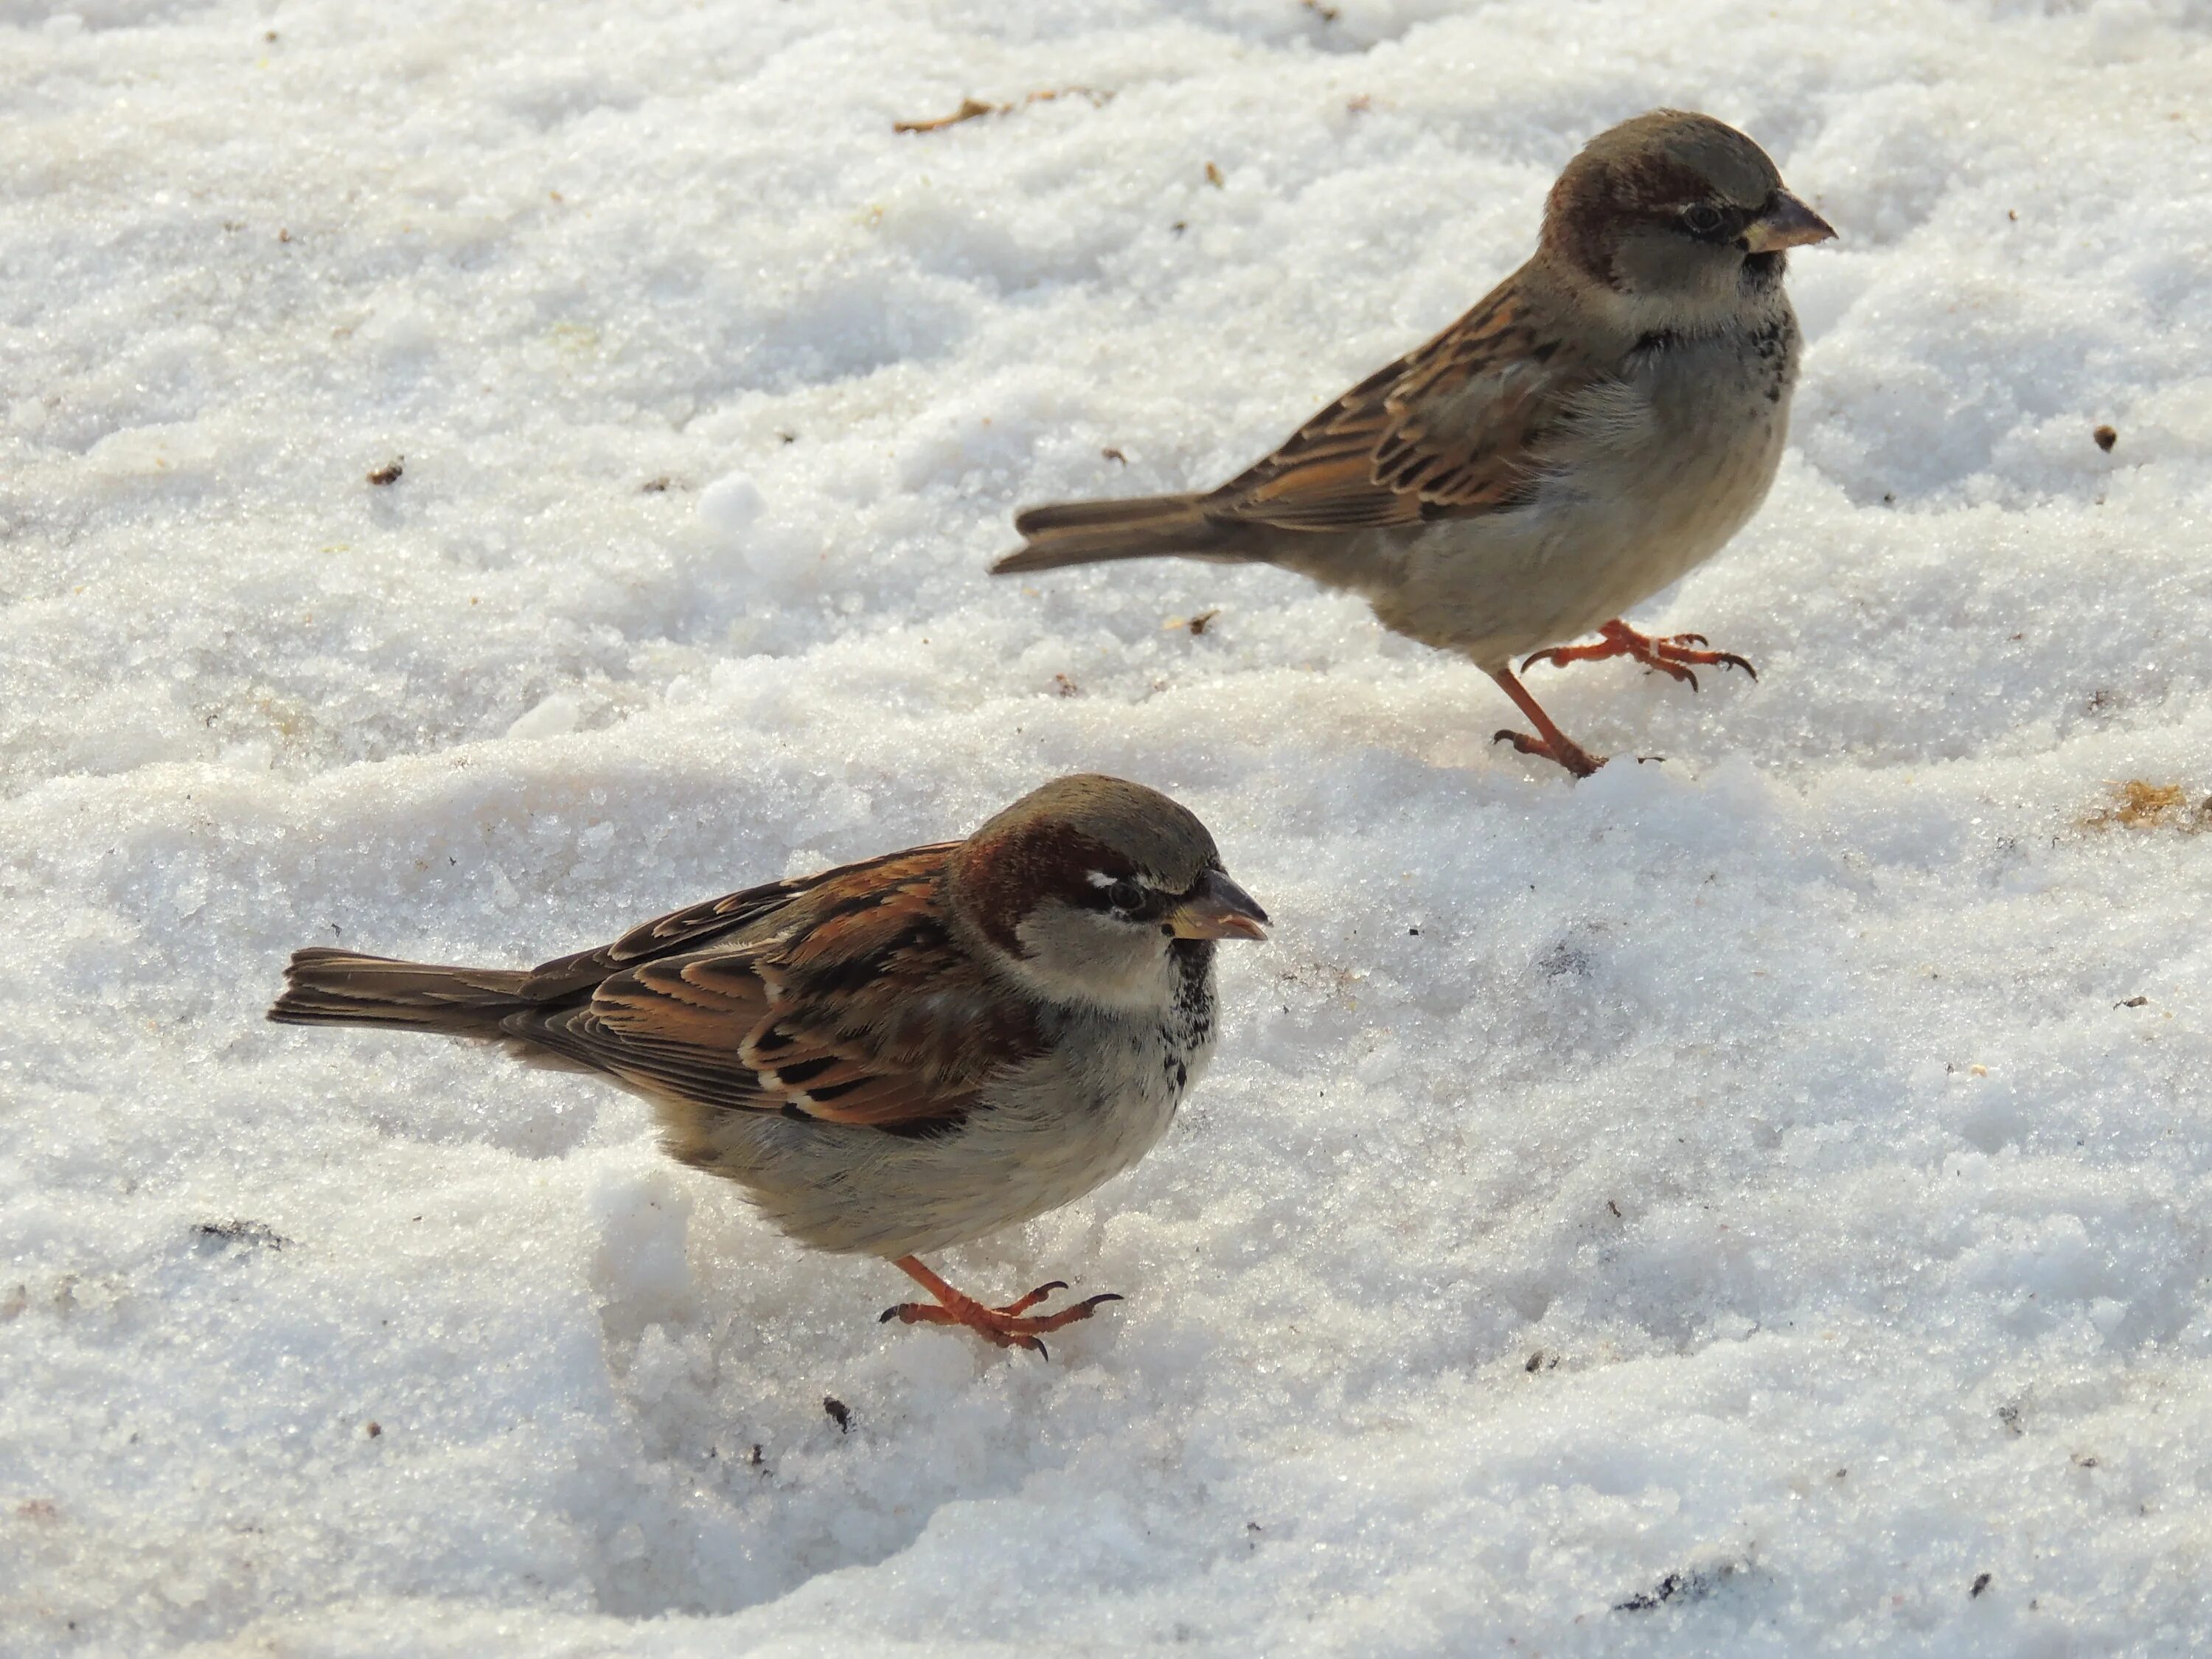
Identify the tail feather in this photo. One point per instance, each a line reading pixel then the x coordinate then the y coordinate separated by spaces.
pixel 344 987
pixel 1088 532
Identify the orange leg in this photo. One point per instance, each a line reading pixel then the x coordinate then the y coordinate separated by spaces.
pixel 1010 1326
pixel 1669 656
pixel 1550 742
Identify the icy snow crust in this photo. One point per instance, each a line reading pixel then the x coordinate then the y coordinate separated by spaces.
pixel 1719 1207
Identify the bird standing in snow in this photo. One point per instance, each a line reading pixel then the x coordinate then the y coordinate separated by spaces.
pixel 1605 419
pixel 898 1055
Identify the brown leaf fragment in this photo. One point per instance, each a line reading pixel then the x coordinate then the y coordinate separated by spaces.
pixel 2139 804
pixel 971 107
pixel 968 110
pixel 1046 97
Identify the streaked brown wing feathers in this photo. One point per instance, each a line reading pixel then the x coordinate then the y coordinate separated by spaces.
pixel 1456 428
pixel 697 925
pixel 864 1010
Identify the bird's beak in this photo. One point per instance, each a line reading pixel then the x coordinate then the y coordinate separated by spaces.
pixel 1787 222
pixel 1217 909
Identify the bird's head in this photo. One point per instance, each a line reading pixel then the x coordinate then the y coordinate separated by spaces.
pixel 1677 213
pixel 1088 891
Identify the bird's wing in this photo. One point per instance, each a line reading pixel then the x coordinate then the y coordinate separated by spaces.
pixel 863 1008
pixel 697 926
pixel 1463 425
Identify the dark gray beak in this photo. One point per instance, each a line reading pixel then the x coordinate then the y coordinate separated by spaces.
pixel 1787 222
pixel 1217 909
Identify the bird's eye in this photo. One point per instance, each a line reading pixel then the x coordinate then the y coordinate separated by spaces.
pixel 1124 894
pixel 1703 217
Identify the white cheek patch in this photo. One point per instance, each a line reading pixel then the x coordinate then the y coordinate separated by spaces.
pixel 1073 954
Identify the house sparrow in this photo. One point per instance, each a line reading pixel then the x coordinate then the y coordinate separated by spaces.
pixel 1602 422
pixel 898 1055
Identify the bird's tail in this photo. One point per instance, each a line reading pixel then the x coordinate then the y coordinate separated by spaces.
pixel 1086 532
pixel 344 987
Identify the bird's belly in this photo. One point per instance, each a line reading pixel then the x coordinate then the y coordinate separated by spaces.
pixel 1693 504
pixel 1634 522
pixel 1043 1139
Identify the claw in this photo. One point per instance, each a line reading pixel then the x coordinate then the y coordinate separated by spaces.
pixel 1680 646
pixel 1022 1304
pixel 1009 1327
pixel 1671 655
pixel 1578 762
pixel 1560 655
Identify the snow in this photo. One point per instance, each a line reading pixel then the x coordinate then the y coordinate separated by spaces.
pixel 1731 1205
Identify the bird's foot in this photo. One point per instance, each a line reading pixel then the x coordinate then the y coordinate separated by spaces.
pixel 1011 1325
pixel 1674 655
pixel 1567 752
pixel 1551 743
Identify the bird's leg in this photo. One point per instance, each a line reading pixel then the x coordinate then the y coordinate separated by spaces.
pixel 1550 742
pixel 1672 655
pixel 1010 1326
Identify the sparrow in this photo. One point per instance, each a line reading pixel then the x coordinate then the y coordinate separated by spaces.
pixel 897 1055
pixel 1603 421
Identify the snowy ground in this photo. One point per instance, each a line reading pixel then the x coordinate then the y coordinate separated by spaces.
pixel 1755 1204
